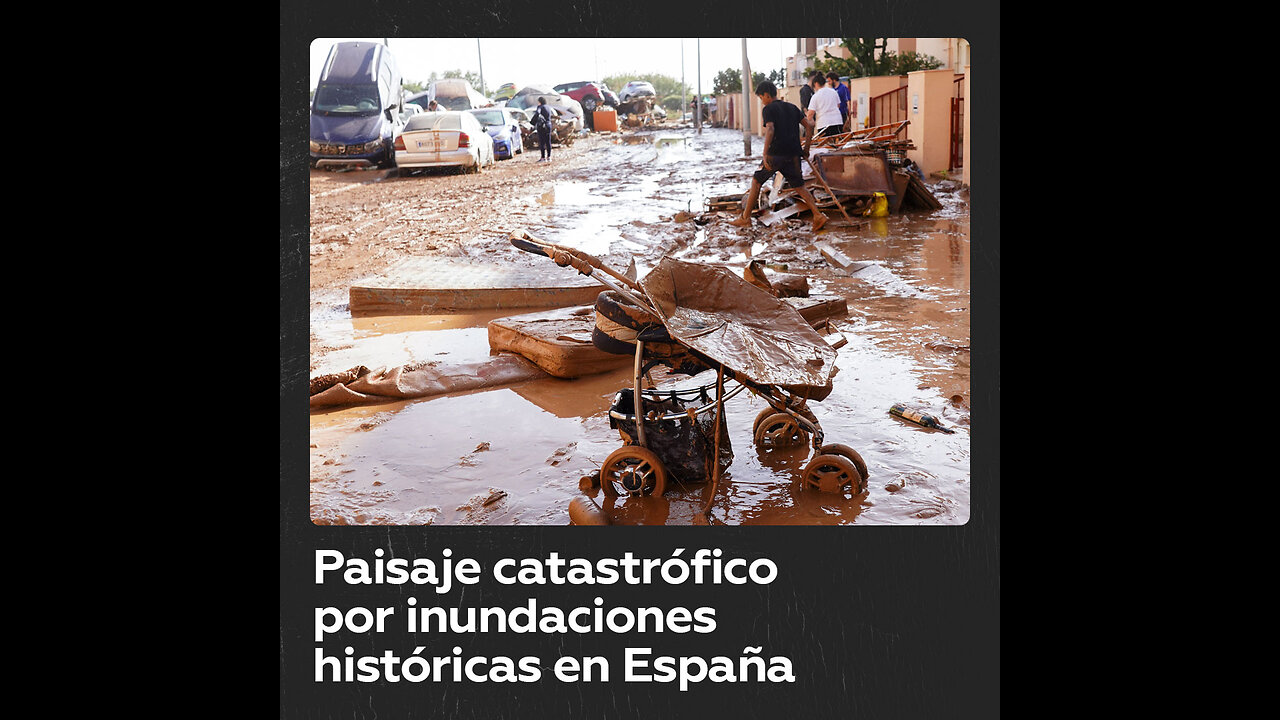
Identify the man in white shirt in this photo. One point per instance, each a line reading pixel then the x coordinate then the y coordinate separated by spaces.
pixel 824 107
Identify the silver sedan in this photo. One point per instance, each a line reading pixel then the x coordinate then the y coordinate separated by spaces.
pixel 444 139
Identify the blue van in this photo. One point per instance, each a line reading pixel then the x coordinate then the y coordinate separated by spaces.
pixel 356 109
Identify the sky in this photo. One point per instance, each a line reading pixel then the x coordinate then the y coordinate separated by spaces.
pixel 552 61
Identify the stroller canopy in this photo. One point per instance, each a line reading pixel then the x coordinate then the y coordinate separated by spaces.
pixel 759 338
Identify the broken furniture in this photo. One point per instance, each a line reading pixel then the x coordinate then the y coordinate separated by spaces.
pixel 850 168
pixel 695 318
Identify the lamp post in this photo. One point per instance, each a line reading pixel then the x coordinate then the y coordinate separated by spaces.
pixel 697 103
pixel 746 102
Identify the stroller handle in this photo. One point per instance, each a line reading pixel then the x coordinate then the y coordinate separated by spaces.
pixel 528 247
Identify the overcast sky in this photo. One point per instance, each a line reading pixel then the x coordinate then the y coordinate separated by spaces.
pixel 551 61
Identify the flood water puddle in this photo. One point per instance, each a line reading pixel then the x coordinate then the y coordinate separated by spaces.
pixel 522 448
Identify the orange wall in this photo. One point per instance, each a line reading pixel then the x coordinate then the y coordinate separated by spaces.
pixel 929 94
pixel 861 90
pixel 968 114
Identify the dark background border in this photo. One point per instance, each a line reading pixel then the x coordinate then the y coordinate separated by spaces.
pixel 879 621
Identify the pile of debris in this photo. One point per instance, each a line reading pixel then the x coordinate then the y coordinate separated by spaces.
pixel 638 112
pixel 562 133
pixel 854 164
pixel 846 173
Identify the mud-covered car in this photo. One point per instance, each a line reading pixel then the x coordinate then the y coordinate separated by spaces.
pixel 588 92
pixel 453 138
pixel 527 98
pixel 504 129
pixel 635 89
pixel 504 92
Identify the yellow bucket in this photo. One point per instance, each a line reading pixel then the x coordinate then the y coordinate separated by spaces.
pixel 879 207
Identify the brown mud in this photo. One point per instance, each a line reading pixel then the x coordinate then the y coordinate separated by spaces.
pixel 425 461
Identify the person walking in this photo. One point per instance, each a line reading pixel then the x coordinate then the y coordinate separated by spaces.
pixel 783 125
pixel 806 94
pixel 542 123
pixel 833 80
pixel 824 107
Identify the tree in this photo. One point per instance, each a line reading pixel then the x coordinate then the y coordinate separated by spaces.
pixel 863 61
pixel 729 82
pixel 413 86
pixel 470 77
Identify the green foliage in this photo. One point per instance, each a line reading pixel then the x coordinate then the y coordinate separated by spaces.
pixel 663 85
pixel 910 61
pixel 671 102
pixel 729 81
pixel 473 78
pixel 863 61
pixel 411 87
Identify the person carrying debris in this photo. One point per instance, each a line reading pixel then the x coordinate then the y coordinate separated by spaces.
pixel 783 149
pixel 824 107
pixel 542 123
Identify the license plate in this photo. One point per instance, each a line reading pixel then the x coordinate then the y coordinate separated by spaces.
pixel 432 144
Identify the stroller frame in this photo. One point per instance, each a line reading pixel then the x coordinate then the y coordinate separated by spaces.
pixel 842 464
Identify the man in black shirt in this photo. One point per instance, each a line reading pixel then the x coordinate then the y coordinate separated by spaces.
pixel 782 152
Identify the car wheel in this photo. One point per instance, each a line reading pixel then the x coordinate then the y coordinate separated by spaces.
pixel 589 103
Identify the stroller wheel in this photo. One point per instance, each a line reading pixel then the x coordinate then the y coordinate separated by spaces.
pixel 780 430
pixel 632 470
pixel 766 412
pixel 851 454
pixel 830 473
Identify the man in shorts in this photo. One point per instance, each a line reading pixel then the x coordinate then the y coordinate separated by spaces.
pixel 783 149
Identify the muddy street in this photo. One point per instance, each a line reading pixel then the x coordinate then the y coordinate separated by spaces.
pixel 514 454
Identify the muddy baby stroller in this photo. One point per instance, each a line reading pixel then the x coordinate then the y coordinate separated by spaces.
pixel 692 318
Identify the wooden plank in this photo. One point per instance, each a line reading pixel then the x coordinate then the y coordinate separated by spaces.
pixel 422 286
pixel 900 182
pixel 817 309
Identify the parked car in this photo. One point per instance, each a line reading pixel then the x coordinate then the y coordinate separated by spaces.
pixel 504 92
pixel 522 120
pixel 455 94
pixel 419 98
pixel 528 96
pixel 610 97
pixel 410 109
pixel 355 110
pixel 504 129
pixel 635 89
pixel 591 94
pixel 444 139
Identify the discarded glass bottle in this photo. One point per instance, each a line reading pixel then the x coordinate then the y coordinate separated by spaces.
pixel 918 418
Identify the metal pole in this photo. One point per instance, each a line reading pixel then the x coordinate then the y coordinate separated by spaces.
pixel 746 102
pixel 481 58
pixel 683 105
pixel 697 104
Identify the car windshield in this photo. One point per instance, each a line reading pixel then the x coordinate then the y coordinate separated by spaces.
pixel 457 102
pixel 490 117
pixel 434 121
pixel 359 99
